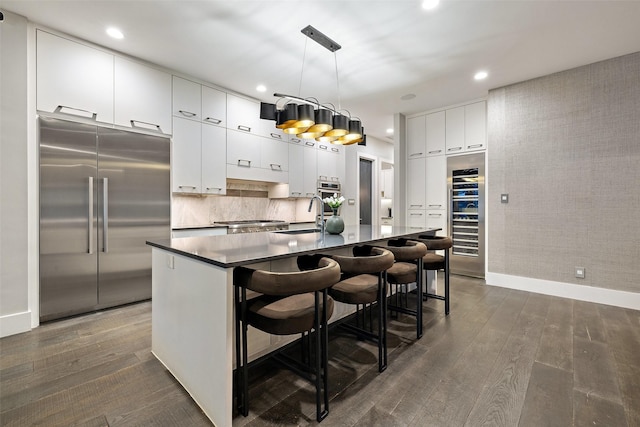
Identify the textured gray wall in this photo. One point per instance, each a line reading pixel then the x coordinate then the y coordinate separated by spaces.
pixel 566 147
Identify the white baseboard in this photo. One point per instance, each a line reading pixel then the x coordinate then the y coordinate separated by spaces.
pixel 566 290
pixel 16 323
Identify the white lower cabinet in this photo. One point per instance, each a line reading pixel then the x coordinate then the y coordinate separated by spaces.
pixel 436 183
pixel 416 218
pixel 437 219
pixel 416 181
pixel 296 170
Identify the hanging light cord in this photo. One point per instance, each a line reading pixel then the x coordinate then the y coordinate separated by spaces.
pixel 304 55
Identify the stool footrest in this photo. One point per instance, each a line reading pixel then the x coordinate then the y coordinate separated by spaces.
pixel 440 297
pixel 402 309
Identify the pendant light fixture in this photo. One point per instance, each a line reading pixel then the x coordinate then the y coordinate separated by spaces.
pixel 309 119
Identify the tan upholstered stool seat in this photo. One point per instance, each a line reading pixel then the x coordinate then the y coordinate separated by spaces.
pixel 360 289
pixel 433 261
pixel 402 272
pixel 284 316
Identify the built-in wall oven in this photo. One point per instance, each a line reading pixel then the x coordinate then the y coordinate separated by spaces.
pixel 328 189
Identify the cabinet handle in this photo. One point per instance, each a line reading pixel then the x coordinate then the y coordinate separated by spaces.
pixel 454 149
pixel 435 151
pixel 415 206
pixel 322 147
pixel 434 205
pixel 244 163
pixel 213 120
pixel 275 167
pixel 94 116
pixel 214 188
pixel 187 113
pixel 244 128
pixel 90 222
pixel 435 215
pixel 147 125
pixel 311 194
pixel 276 135
pixel 293 193
pixel 415 154
pixel 335 178
pixel 415 214
pixel 323 178
pixel 187 186
pixel 310 144
pixel 296 140
pixel 335 150
pixel 475 146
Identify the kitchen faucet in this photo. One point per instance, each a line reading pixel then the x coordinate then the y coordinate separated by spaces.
pixel 321 204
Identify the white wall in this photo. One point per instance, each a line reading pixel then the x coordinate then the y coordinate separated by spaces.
pixel 14 290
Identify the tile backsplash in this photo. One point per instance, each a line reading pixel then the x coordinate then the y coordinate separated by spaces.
pixel 248 200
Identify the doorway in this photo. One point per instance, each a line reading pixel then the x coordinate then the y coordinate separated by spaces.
pixel 366 191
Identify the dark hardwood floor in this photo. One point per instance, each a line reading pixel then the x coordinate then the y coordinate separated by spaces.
pixel 502 357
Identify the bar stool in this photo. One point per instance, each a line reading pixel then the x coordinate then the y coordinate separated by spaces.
pixel 364 283
pixel 291 303
pixel 433 261
pixel 406 270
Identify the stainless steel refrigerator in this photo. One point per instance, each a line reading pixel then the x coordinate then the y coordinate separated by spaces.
pixel 103 193
pixel 465 176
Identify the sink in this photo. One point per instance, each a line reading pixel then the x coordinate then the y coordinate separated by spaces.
pixel 303 231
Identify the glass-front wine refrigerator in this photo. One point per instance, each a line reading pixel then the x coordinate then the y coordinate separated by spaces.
pixel 465 176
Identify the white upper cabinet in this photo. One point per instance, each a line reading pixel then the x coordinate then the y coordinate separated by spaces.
pixel 214 106
pixel 243 149
pixel 274 155
pixel 310 183
pixel 296 170
pixel 455 130
pixel 142 96
pixel 74 77
pixel 416 137
pixel 214 156
pixel 186 154
pixel 436 134
pixel 475 126
pixel 187 99
pixel 243 115
pixel 327 162
pixel 416 183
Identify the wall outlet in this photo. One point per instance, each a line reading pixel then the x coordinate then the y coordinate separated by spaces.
pixel 504 198
pixel 580 272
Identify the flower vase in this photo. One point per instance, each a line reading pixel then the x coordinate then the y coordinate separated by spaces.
pixel 334 224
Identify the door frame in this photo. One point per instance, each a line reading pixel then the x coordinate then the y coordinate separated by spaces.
pixel 375 188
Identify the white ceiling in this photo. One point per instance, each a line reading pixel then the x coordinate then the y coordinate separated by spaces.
pixel 389 47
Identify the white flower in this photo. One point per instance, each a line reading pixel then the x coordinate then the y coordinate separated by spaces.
pixel 334 201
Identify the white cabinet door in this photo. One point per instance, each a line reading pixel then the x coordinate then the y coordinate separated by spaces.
pixel 243 115
pixel 74 76
pixel 186 156
pixel 475 126
pixel 142 96
pixel 437 219
pixel 416 218
pixel 436 185
pixel 436 134
pixel 310 179
pixel 386 183
pixel 455 130
pixel 416 137
pixel 186 99
pixel 274 156
pixel 296 170
pixel 214 106
pixel 214 155
pixel 327 163
pixel 243 149
pixel 416 177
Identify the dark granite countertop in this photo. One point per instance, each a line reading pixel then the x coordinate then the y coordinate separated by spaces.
pixel 241 249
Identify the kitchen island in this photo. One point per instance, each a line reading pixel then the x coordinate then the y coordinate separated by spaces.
pixel 192 301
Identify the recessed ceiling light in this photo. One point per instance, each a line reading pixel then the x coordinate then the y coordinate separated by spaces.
pixel 430 4
pixel 390 130
pixel 115 33
pixel 261 88
pixel 408 96
pixel 480 75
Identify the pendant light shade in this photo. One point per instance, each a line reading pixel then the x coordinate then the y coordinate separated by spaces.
pixel 323 121
pixel 305 116
pixel 340 126
pixel 288 116
pixel 355 133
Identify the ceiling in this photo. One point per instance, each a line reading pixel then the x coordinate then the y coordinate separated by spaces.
pixel 390 48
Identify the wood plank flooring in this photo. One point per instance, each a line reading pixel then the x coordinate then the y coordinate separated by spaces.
pixel 502 357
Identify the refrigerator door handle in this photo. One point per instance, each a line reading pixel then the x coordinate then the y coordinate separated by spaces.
pixel 105 214
pixel 90 218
